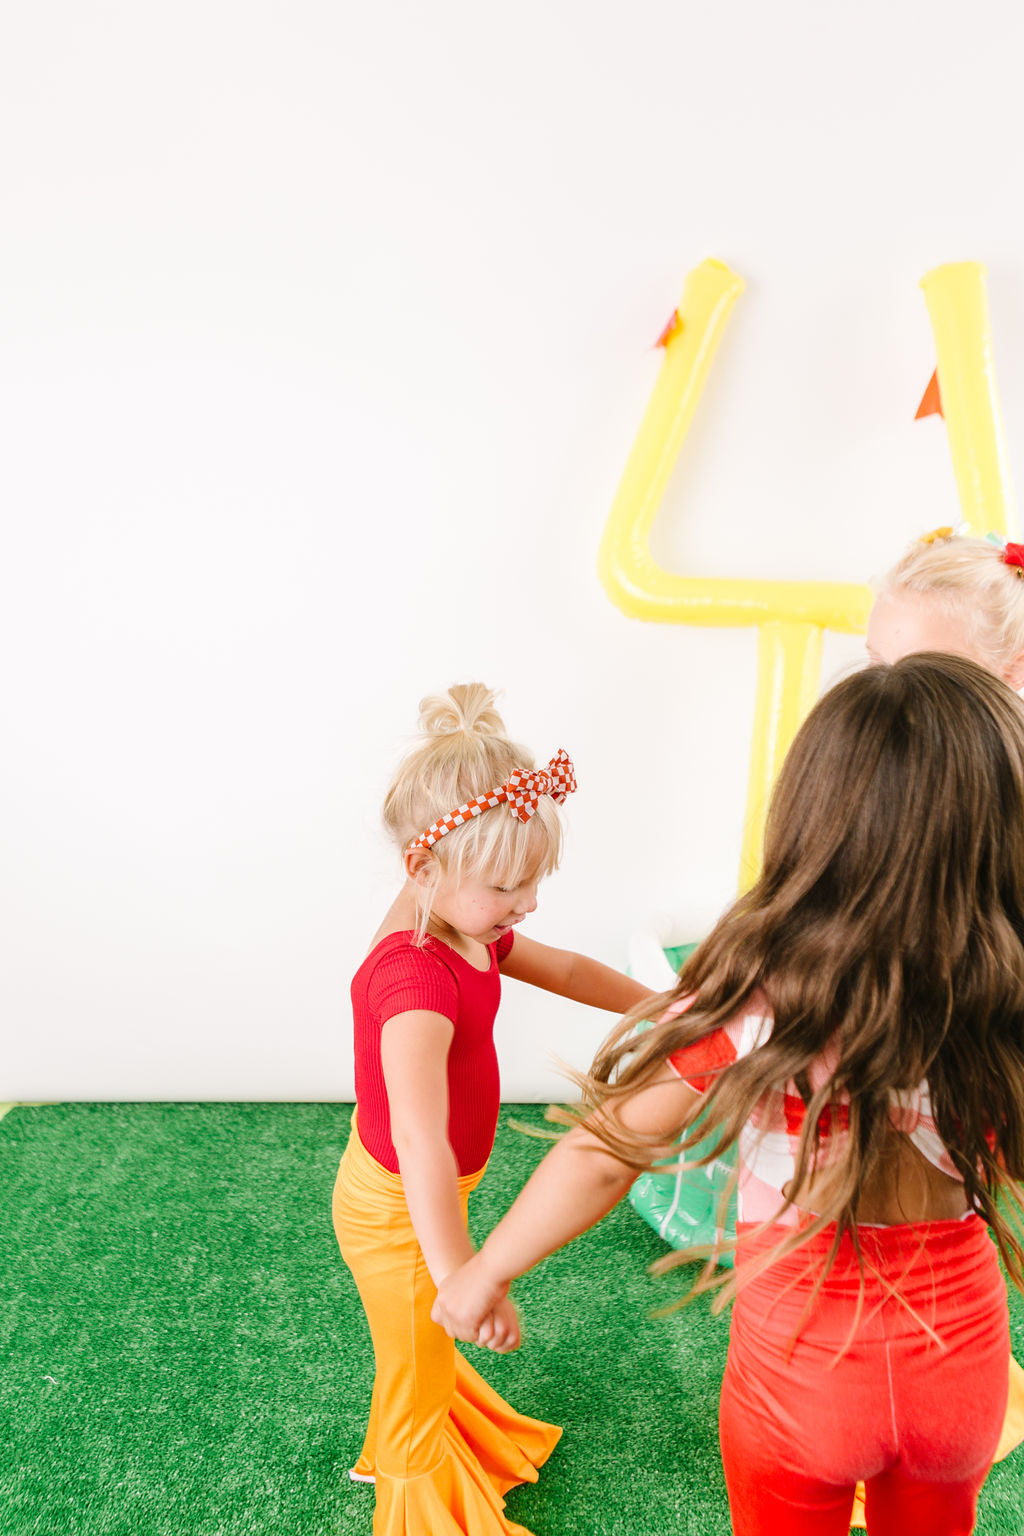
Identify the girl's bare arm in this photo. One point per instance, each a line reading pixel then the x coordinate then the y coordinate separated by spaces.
pixel 414 1056
pixel 571 975
pixel 577 1183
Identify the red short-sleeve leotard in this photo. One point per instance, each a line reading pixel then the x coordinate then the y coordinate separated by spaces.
pixel 398 976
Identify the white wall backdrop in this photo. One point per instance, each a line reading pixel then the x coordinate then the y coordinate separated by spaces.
pixel 325 330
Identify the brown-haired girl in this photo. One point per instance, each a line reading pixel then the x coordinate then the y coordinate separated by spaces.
pixel 855 1024
pixel 442 1446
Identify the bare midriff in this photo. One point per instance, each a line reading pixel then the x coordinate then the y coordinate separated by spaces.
pixel 905 1188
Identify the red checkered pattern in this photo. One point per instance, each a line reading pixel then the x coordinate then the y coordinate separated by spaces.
pixel 520 792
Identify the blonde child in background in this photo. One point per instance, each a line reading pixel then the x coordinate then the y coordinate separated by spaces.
pixel 855 1025
pixel 478 828
pixel 964 596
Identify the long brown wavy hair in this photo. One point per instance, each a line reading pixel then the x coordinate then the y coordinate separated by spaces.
pixel 887 926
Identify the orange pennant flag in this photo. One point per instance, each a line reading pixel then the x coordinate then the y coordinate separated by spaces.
pixel 931 400
pixel 673 326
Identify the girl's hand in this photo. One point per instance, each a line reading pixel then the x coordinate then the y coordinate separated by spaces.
pixel 500 1329
pixel 466 1298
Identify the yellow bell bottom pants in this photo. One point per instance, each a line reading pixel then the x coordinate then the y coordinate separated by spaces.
pixel 442 1446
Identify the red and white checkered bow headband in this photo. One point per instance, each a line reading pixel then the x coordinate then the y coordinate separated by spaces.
pixel 520 792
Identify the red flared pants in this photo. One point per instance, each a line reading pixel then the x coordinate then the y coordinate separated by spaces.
pixel 908 1396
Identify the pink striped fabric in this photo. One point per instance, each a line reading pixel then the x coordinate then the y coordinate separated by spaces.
pixel 768 1142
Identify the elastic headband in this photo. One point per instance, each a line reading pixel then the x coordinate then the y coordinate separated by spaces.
pixel 1013 554
pixel 940 535
pixel 521 792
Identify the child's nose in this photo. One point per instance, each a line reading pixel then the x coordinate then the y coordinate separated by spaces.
pixel 527 899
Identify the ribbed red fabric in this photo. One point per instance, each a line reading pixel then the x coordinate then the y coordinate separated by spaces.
pixel 398 976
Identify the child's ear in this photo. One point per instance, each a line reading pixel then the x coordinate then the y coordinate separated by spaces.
pixel 420 865
pixel 1013 672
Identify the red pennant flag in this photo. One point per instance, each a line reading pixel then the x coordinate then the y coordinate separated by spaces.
pixel 931 400
pixel 673 326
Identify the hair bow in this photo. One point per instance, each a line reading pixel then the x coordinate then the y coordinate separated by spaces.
pixel 1013 554
pixel 524 786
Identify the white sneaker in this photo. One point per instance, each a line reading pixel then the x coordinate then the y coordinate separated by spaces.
pixel 361 1477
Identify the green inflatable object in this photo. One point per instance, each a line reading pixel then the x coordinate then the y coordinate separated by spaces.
pixel 684 1206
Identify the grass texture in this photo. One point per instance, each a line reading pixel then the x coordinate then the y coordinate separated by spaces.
pixel 185 1354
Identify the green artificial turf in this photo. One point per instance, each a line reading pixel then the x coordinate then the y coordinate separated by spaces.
pixel 185 1355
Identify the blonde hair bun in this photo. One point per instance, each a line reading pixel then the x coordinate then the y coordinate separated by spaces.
pixel 466 707
pixel 461 753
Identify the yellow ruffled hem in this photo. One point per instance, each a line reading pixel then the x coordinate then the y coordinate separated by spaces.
pixel 455 1499
pixel 487 1449
pixel 1013 1427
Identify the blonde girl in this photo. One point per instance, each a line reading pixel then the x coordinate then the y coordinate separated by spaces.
pixel 855 1025
pixel 959 595
pixel 478 828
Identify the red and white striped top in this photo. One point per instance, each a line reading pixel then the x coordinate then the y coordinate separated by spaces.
pixel 769 1140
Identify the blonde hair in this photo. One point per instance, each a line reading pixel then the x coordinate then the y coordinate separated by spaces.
pixel 973 584
pixel 464 752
